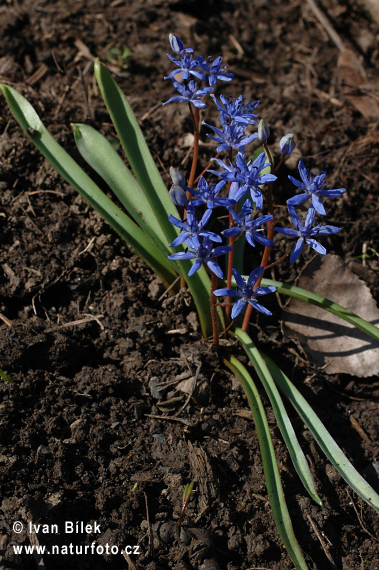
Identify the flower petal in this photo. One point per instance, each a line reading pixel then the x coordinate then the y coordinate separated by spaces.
pixel 295 254
pixel 238 307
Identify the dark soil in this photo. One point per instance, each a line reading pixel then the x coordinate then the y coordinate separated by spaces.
pixel 88 339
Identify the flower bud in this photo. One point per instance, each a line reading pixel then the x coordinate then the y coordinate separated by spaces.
pixel 263 131
pixel 178 196
pixel 287 144
pixel 176 44
pixel 177 177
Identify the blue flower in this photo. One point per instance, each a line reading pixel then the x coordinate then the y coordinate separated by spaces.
pixel 178 195
pixel 177 177
pixel 246 292
pixel 187 66
pixel 232 136
pixel 235 110
pixel 204 253
pixel 192 228
pixel 313 187
pixel 208 195
pixel 306 233
pixel 179 188
pixel 190 93
pixel 263 131
pixel 287 144
pixel 177 45
pixel 217 72
pixel 248 177
pixel 249 226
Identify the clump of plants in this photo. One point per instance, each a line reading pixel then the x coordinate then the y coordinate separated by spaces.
pixel 196 235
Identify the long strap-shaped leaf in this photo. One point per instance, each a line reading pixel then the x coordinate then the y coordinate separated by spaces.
pixel 284 423
pixel 102 157
pixel 332 451
pixel 146 172
pixel 274 486
pixel 30 122
pixel 136 149
pixel 326 304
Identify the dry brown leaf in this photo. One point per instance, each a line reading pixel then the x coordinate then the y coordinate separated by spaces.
pixel 327 339
pixel 355 84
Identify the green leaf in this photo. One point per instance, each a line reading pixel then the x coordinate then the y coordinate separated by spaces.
pixel 30 122
pixel 284 423
pixel 272 477
pixel 326 304
pixel 5 377
pixel 101 156
pixel 332 451
pixel 136 150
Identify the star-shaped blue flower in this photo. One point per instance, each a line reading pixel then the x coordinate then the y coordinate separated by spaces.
pixel 247 224
pixel 231 136
pixel 208 195
pixel 235 110
pixel 248 176
pixel 306 233
pixel 192 229
pixel 190 93
pixel 313 187
pixel 204 253
pixel 246 292
pixel 187 66
pixel 216 71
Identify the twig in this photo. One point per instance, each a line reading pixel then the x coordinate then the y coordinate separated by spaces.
pixel 359 517
pixel 128 560
pixel 326 25
pixel 322 542
pixel 359 429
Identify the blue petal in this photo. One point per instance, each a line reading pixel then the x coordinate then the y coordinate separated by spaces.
pixel 303 172
pixel 213 266
pixel 239 279
pixel 195 267
pixel 259 307
pixel 264 290
pixel 220 250
pixel 180 239
pixel 238 307
pixel 254 276
pixel 297 250
pixel 333 193
pixel 232 231
pixel 226 293
pixel 290 232
pixel 316 245
pixel 297 182
pixel 181 255
pixel 298 199
pixel 316 202
pixel 325 230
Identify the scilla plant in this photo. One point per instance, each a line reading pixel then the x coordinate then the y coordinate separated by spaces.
pixel 155 222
